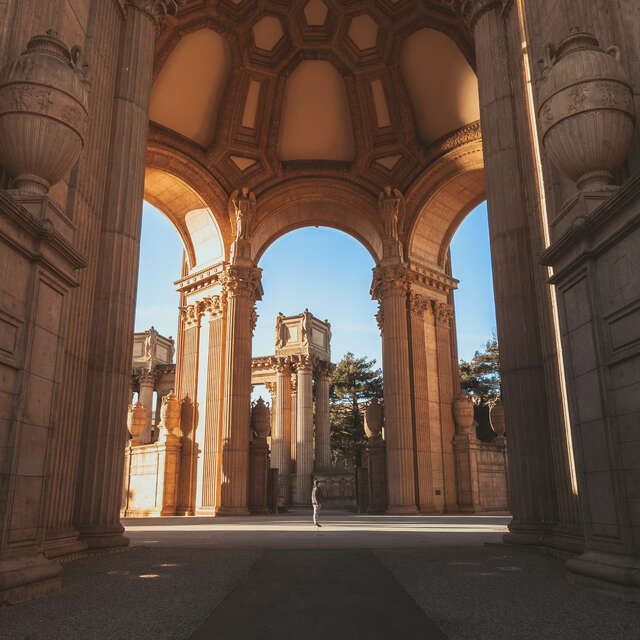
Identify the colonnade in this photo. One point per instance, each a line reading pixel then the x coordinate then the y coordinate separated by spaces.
pixel 297 449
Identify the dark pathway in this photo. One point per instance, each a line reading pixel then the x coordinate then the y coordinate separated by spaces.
pixel 325 594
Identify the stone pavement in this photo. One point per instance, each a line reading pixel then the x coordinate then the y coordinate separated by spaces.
pixel 427 577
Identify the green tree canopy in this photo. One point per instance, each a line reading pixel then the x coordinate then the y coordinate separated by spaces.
pixel 354 382
pixel 481 377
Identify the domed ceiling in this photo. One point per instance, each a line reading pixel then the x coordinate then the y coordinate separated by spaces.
pixel 255 92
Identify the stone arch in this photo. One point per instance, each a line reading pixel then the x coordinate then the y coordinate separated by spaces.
pixel 316 202
pixel 188 213
pixel 440 200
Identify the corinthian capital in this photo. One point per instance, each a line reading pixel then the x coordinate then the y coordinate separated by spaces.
pixel 473 10
pixel 243 281
pixel 389 280
pixel 156 9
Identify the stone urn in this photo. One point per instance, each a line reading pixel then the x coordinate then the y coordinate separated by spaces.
pixel 43 113
pixel 170 415
pixel 496 417
pixel 463 413
pixel 136 422
pixel 586 113
pixel 373 420
pixel 260 419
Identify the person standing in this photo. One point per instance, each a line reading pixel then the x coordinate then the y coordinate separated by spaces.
pixel 316 501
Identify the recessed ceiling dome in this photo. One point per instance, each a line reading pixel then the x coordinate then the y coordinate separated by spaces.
pixel 316 123
pixel 442 87
pixel 187 93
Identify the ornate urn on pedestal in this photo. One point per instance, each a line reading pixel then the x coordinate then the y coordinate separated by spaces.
pixel 373 420
pixel 136 421
pixel 260 419
pixel 43 113
pixel 170 417
pixel 586 112
pixel 463 414
pixel 496 417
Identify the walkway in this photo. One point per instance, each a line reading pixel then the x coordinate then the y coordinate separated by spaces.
pixel 358 577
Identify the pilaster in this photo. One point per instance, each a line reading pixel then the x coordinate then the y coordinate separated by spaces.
pixel 390 288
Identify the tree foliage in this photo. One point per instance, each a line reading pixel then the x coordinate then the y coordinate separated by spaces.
pixel 481 377
pixel 354 383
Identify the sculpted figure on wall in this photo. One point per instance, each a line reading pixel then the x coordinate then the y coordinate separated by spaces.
pixel 389 205
pixel 241 204
pixel 281 331
pixel 306 326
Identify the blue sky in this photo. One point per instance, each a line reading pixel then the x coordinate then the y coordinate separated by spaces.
pixel 327 271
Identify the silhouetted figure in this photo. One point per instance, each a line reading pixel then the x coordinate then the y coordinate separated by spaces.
pixel 316 501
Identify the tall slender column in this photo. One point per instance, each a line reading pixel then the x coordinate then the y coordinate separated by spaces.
pixel 304 433
pixel 323 442
pixel 100 481
pixel 211 441
pixel 514 266
pixel 242 284
pixel 443 314
pixel 147 383
pixel 390 289
pixel 293 438
pixel 280 445
pixel 417 305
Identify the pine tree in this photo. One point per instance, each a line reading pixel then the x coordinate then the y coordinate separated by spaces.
pixel 354 382
pixel 481 376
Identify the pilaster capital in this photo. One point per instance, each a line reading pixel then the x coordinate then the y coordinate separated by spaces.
pixel 192 314
pixel 417 303
pixel 282 365
pixel 389 280
pixel 214 306
pixel 243 281
pixel 443 313
pixel 473 10
pixel 304 364
pixel 271 387
pixel 156 9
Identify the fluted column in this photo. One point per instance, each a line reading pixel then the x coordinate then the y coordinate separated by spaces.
pixel 147 383
pixel 323 442
pixel 242 284
pixel 514 267
pixel 304 433
pixel 280 443
pixel 100 481
pixel 211 442
pixel 390 289
pixel 443 316
pixel 293 438
pixel 417 305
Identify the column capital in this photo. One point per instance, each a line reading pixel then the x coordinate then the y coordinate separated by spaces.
pixel 240 280
pixel 473 10
pixel 323 369
pixel 304 363
pixel 156 9
pixel 147 377
pixel 443 313
pixel 389 280
pixel 417 303
pixel 214 305
pixel 192 314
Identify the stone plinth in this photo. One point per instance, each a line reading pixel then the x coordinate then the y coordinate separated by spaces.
pixel 375 453
pixel 259 476
pixel 151 479
pixel 339 489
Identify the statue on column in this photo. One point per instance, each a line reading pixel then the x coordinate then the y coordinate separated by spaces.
pixel 389 204
pixel 281 329
pixel 241 205
pixel 306 326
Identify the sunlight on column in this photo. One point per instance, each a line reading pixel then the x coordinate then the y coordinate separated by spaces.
pixel 545 226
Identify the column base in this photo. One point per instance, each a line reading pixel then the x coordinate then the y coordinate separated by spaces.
pixel 613 574
pixel 104 537
pixel 527 534
pixel 403 509
pixel 232 511
pixel 64 545
pixel 28 576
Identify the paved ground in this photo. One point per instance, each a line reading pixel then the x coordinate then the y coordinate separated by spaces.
pixel 427 577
